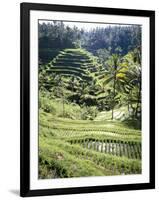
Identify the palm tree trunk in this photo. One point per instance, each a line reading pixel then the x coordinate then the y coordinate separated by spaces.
pixel 63 106
pixel 114 88
pixel 112 113
pixel 138 100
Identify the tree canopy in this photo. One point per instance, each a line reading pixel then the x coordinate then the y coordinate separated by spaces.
pixel 113 39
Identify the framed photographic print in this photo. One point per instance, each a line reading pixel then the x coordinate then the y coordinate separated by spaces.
pixel 87 99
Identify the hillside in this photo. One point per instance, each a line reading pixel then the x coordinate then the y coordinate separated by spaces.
pixel 77 134
pixel 73 62
pixel 77 72
pixel 75 148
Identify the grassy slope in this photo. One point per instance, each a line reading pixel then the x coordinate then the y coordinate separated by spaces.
pixel 59 158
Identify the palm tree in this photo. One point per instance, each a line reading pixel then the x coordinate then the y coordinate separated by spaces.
pixel 133 80
pixel 134 76
pixel 111 76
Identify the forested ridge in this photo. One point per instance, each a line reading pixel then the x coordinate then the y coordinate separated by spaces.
pixel 112 39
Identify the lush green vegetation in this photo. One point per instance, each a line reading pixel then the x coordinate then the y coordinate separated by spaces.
pixel 102 42
pixel 74 148
pixel 89 101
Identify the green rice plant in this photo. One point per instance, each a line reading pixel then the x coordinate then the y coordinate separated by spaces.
pixel 100 159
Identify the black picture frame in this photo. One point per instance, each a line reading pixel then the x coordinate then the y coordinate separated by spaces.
pixel 25 9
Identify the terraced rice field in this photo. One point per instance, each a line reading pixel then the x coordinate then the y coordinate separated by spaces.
pixel 73 62
pixel 71 145
pixel 76 148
